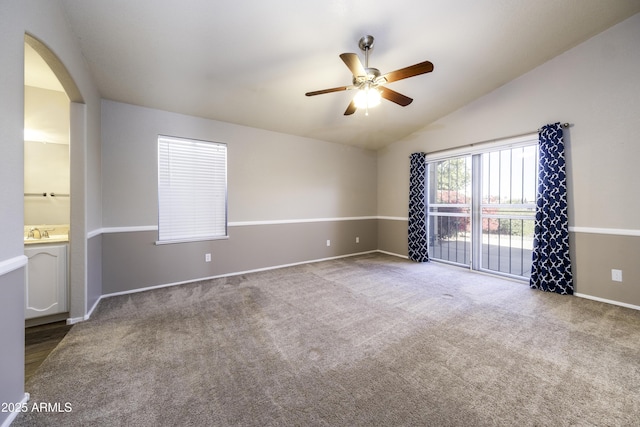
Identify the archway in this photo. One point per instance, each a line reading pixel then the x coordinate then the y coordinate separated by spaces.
pixel 77 149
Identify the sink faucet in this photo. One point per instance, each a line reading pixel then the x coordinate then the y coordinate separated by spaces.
pixel 32 233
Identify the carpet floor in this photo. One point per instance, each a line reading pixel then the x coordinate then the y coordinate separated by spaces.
pixel 371 340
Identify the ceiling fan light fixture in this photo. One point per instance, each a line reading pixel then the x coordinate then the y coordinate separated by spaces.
pixel 370 83
pixel 367 98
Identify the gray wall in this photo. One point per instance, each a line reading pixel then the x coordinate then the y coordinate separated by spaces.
pixel 287 196
pixel 12 337
pixel 45 21
pixel 133 261
pixel 94 271
pixel 393 236
pixel 11 209
pixel 595 87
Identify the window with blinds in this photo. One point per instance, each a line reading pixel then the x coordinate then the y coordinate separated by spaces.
pixel 192 190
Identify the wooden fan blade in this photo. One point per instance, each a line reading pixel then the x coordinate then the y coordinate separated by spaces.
pixel 350 109
pixel 333 89
pixel 353 62
pixel 413 70
pixel 394 96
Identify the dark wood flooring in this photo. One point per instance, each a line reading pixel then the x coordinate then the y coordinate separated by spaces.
pixel 39 342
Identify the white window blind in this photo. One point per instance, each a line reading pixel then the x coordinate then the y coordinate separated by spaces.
pixel 192 190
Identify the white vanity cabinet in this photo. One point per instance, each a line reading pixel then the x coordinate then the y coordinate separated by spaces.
pixel 46 280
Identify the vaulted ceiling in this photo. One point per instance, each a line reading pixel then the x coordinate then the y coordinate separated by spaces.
pixel 251 62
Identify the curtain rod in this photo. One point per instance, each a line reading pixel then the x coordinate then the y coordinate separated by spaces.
pixel 564 125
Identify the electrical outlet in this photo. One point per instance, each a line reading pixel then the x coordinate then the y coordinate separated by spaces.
pixel 207 257
pixel 328 242
pixel 357 240
pixel 616 275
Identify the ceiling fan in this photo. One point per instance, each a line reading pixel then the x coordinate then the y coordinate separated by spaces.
pixel 370 82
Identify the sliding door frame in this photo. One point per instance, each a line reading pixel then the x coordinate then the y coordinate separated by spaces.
pixel 475 152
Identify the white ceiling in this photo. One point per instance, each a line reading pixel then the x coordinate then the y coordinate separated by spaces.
pixel 251 62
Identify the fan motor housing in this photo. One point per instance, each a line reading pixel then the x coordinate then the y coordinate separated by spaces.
pixel 371 76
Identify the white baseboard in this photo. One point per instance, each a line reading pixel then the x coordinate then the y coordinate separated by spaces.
pixel 608 301
pixel 12 416
pixel 393 254
pixel 238 273
pixel 74 320
pixel 95 304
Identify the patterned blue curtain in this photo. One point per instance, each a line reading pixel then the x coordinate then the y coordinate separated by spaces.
pixel 418 239
pixel 551 269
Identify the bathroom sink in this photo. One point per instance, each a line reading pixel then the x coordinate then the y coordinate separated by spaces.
pixel 53 238
pixel 45 233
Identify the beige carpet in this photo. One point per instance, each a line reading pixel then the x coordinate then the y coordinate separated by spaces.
pixel 371 340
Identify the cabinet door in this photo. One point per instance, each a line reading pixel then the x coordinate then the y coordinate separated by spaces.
pixel 46 279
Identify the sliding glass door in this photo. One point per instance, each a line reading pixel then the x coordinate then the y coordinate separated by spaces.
pixel 508 209
pixel 482 209
pixel 450 210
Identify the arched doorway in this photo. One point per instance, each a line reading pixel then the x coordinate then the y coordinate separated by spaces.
pixel 76 112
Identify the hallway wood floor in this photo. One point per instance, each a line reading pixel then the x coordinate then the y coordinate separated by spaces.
pixel 39 342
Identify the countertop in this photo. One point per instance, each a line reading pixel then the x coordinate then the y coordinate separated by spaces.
pixel 37 234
